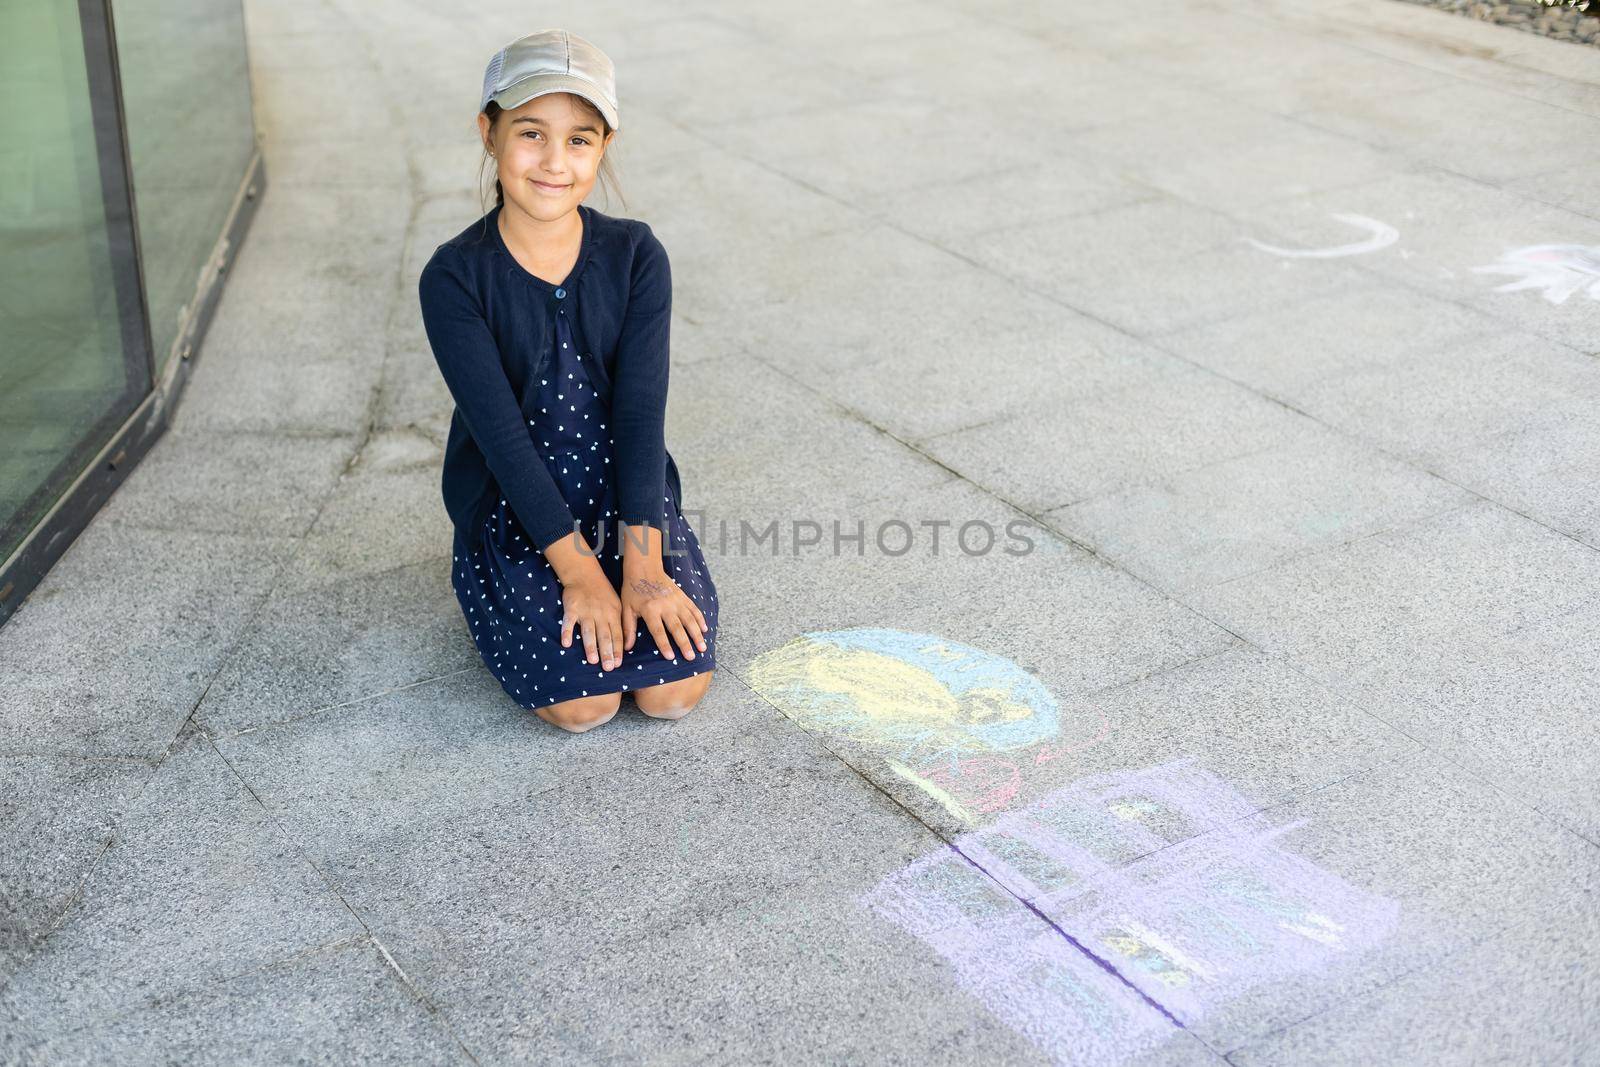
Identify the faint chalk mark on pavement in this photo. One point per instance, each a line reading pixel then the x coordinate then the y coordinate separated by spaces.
pixel 1557 270
pixel 1383 235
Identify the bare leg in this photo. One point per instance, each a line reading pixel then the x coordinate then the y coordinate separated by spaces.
pixel 673 700
pixel 581 713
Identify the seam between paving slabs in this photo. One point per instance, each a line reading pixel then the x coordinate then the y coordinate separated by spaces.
pixel 405 979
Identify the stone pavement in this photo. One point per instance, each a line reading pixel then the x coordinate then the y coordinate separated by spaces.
pixel 1279 746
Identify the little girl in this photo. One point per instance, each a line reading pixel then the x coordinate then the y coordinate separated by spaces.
pixel 549 321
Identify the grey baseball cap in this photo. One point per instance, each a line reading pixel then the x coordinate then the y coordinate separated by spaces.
pixel 551 61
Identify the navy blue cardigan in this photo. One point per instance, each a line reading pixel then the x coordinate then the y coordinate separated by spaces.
pixel 492 328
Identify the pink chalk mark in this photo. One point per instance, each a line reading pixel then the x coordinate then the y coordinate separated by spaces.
pixel 985 784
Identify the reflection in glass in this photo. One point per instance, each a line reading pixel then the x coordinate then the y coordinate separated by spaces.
pixel 186 90
pixel 69 374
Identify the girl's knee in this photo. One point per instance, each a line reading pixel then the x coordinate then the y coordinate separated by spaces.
pixel 582 713
pixel 673 700
pixel 666 710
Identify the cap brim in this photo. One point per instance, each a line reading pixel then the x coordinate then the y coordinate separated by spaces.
pixel 519 93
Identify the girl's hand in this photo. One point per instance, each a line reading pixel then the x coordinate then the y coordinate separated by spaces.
pixel 665 608
pixel 592 605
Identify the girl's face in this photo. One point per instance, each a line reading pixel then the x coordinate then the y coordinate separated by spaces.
pixel 547 152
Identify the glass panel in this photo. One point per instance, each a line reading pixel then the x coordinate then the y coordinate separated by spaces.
pixel 186 91
pixel 72 357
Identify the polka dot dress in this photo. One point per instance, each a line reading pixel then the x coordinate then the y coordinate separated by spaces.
pixel 510 593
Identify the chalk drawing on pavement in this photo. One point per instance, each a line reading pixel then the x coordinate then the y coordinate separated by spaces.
pixel 1113 911
pixel 956 722
pixel 1557 271
pixel 1382 235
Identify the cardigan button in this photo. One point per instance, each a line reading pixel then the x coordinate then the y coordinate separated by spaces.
pixel 560 293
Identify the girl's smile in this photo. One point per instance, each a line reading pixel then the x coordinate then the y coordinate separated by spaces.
pixel 559 134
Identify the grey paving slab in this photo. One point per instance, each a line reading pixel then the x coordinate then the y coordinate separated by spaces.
pixel 774 82
pixel 1211 285
pixel 1524 995
pixel 1555 187
pixel 340 1003
pixel 1055 22
pixel 57 815
pixel 1282 350
pixel 816 305
pixel 343 642
pixel 1546 468
pixel 1477 412
pixel 1123 242
pixel 754 447
pixel 108 656
pixel 295 306
pixel 385 512
pixel 694 341
pixel 296 163
pixel 981 372
pixel 301 354
pixel 669 31
pixel 1510 136
pixel 948 214
pixel 289 39
pixel 515 920
pixel 1466 630
pixel 1477 571
pixel 286 379
pixel 290 111
pixel 12 1039
pixel 197 886
pixel 1048 85
pixel 1251 719
pixel 716 288
pixel 708 199
pixel 1190 46
pixel 1057 451
pixel 449 165
pixel 414 392
pixel 1198 150
pixel 291 108
pixel 1195 529
pixel 904 145
pixel 1445 44
pixel 346 778
pixel 187 482
pixel 894 24
pixel 1516 707
pixel 1286 82
pixel 297 248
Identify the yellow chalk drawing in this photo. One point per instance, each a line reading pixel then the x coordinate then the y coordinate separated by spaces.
pixel 915 694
